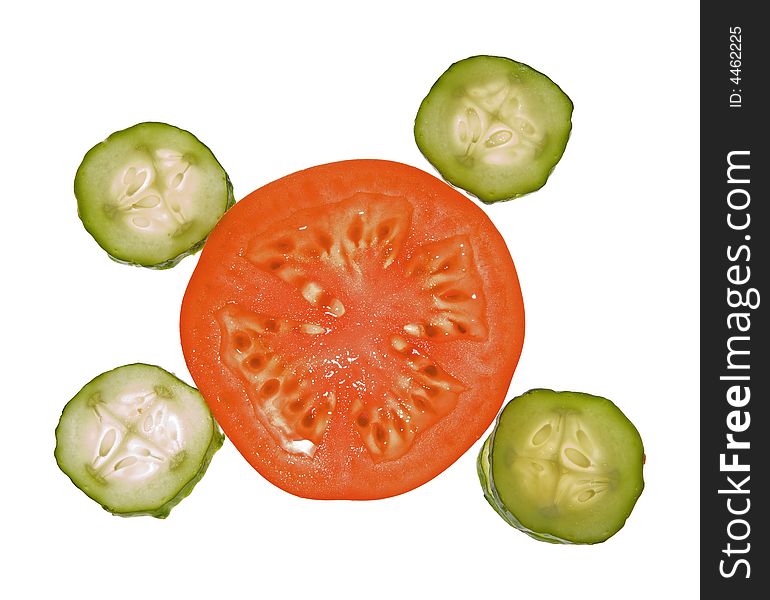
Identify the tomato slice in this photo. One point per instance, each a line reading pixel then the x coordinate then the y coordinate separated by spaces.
pixel 354 328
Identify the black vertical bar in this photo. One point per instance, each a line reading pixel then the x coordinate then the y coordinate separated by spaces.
pixel 735 298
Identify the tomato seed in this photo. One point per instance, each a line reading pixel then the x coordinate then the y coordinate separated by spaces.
pixel 380 435
pixel 284 245
pixel 355 231
pixel 256 361
pixel 324 241
pixel 430 370
pixel 297 405
pixel 270 388
pixel 399 423
pixel 455 296
pixel 241 341
pixel 460 327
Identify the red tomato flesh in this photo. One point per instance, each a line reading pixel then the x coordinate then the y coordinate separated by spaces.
pixel 354 328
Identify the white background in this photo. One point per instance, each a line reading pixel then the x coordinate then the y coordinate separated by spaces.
pixel 607 254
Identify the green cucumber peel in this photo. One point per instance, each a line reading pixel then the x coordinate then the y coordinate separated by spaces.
pixel 150 194
pixel 562 467
pixel 494 127
pixel 136 440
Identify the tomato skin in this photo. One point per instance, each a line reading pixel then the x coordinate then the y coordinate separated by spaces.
pixel 341 468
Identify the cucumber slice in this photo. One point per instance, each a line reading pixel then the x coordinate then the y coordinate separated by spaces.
pixel 136 440
pixel 150 194
pixel 563 467
pixel 494 127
